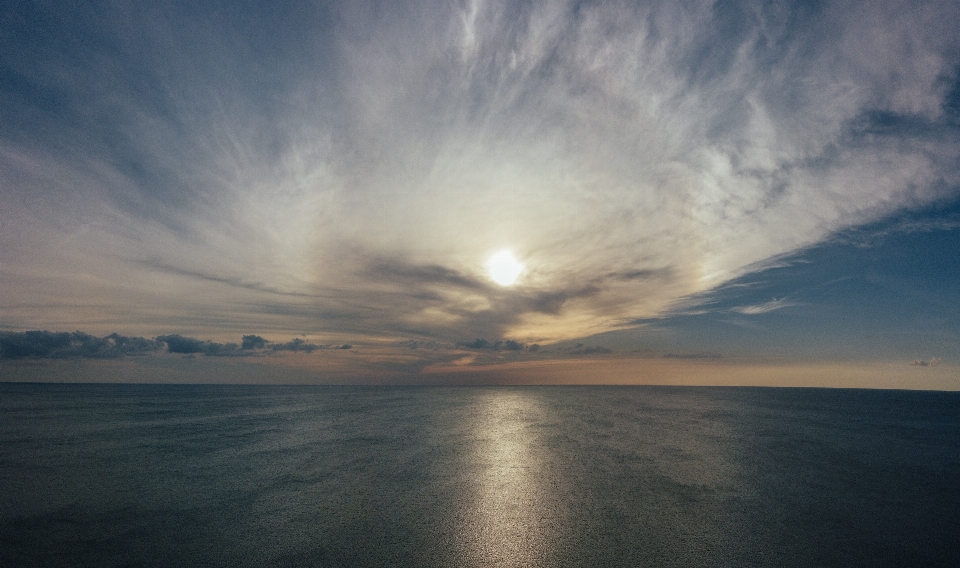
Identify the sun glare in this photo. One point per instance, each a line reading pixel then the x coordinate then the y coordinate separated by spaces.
pixel 503 268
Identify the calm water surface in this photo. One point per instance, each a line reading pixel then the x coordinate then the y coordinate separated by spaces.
pixel 124 475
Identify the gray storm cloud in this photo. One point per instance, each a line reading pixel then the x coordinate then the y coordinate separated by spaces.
pixel 350 167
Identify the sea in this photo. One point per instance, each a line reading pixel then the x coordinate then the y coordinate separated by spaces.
pixel 212 475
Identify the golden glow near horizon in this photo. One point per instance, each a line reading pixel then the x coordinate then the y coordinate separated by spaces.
pixel 503 268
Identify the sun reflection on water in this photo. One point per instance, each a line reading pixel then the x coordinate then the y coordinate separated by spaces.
pixel 510 519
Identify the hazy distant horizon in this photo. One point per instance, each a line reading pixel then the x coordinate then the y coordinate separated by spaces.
pixel 299 362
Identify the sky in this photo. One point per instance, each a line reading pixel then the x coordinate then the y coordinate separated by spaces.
pixel 710 185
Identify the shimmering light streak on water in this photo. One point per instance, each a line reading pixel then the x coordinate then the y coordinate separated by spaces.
pixel 507 526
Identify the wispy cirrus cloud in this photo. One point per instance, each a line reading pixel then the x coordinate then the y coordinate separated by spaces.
pixel 766 307
pixel 347 168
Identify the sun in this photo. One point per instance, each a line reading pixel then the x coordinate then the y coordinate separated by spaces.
pixel 503 268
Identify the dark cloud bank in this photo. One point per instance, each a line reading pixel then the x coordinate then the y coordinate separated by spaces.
pixel 63 345
pixel 37 344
